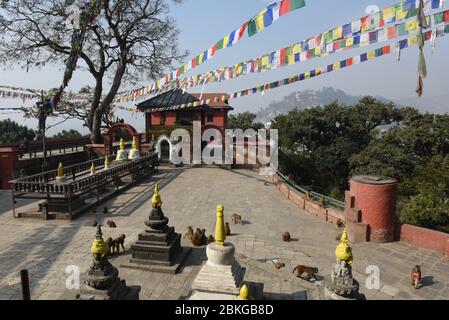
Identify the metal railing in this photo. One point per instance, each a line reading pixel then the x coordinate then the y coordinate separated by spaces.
pixel 326 201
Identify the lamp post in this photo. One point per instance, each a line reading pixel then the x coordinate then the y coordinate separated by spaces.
pixel 42 115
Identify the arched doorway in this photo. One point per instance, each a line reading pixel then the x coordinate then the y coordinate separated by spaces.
pixel 165 151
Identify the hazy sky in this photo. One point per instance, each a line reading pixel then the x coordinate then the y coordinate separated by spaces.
pixel 203 22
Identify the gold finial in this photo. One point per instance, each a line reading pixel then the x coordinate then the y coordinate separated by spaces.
pixel 344 250
pixel 106 161
pixel 220 234
pixel 60 170
pixel 156 200
pixel 244 293
pixel 98 246
pixel 122 144
pixel 134 143
pixel 92 168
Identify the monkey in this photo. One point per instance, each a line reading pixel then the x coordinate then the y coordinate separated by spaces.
pixel 110 244
pixel 340 223
pixel 120 241
pixel 299 270
pixel 111 224
pixel 286 237
pixel 227 229
pixel 415 276
pixel 278 265
pixel 236 218
pixel 114 244
pixel 210 239
pixel 199 237
pixel 189 233
pixel 105 209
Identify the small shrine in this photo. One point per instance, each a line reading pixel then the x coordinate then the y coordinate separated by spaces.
pixel 341 285
pixel 134 152
pixel 101 280
pixel 122 153
pixel 221 277
pixel 158 248
pixel 61 178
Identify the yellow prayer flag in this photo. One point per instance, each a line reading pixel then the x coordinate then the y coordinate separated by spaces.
pixel 201 57
pixel 337 33
pixel 226 41
pixel 259 20
pixel 336 66
pixel 307 75
pixel 388 13
pixel 411 25
pixel 412 41
pixel 350 42
pixel 400 14
pixel 265 61
pixel 296 48
pixel 317 51
pixel 318 71
pixel 371 54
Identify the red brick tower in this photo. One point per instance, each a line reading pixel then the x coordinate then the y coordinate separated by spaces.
pixel 371 209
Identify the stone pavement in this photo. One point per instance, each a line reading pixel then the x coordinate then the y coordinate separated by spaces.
pixel 189 197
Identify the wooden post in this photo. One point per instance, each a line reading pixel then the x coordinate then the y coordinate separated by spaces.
pixel 25 284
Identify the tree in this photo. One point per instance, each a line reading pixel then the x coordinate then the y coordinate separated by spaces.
pixel 244 120
pixel 128 41
pixel 11 132
pixel 64 134
pixel 321 140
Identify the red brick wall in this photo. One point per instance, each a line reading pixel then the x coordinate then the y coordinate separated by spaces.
pixel 170 118
pixel 8 159
pixel 219 118
pixel 155 118
pixel 425 238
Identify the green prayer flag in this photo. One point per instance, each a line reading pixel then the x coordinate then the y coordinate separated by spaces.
pixel 296 4
pixel 220 44
pixel 438 17
pixel 252 28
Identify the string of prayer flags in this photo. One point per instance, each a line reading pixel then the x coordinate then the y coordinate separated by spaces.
pixel 345 63
pixel 295 54
pixel 255 25
pixel 422 68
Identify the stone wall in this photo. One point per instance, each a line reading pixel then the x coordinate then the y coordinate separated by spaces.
pixel 425 238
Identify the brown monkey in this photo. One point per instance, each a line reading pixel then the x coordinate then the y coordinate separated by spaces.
pixel 277 264
pixel 111 224
pixel 340 223
pixel 198 237
pixel 120 241
pixel 286 237
pixel 189 233
pixel 236 218
pixel 203 237
pixel 227 229
pixel 111 246
pixel 210 239
pixel 310 271
pixel 415 276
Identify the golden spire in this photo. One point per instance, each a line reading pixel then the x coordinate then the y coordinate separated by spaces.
pixel 98 246
pixel 122 144
pixel 106 161
pixel 244 293
pixel 156 200
pixel 220 234
pixel 134 143
pixel 60 170
pixel 343 250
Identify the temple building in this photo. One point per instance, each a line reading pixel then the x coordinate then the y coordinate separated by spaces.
pixel 163 115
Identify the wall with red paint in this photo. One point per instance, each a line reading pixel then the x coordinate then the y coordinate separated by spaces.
pixel 425 238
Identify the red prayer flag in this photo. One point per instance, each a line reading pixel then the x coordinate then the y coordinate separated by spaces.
pixel 283 55
pixel 386 49
pixel 446 16
pixel 349 62
pixel 193 63
pixel 285 7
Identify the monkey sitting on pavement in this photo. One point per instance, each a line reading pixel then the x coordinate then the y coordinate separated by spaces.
pixel 415 276
pixel 199 237
pixel 114 244
pixel 286 237
pixel 111 224
pixel 189 233
pixel 236 218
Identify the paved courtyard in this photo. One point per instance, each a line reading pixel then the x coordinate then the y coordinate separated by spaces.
pixel 189 198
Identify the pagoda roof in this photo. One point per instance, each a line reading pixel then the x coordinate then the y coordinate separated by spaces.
pixel 178 99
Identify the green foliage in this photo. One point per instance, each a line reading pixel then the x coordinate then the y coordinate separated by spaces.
pixel 64 134
pixel 244 120
pixel 323 147
pixel 11 132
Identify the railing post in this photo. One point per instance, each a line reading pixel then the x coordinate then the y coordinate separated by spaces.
pixel 70 200
pixel 25 284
